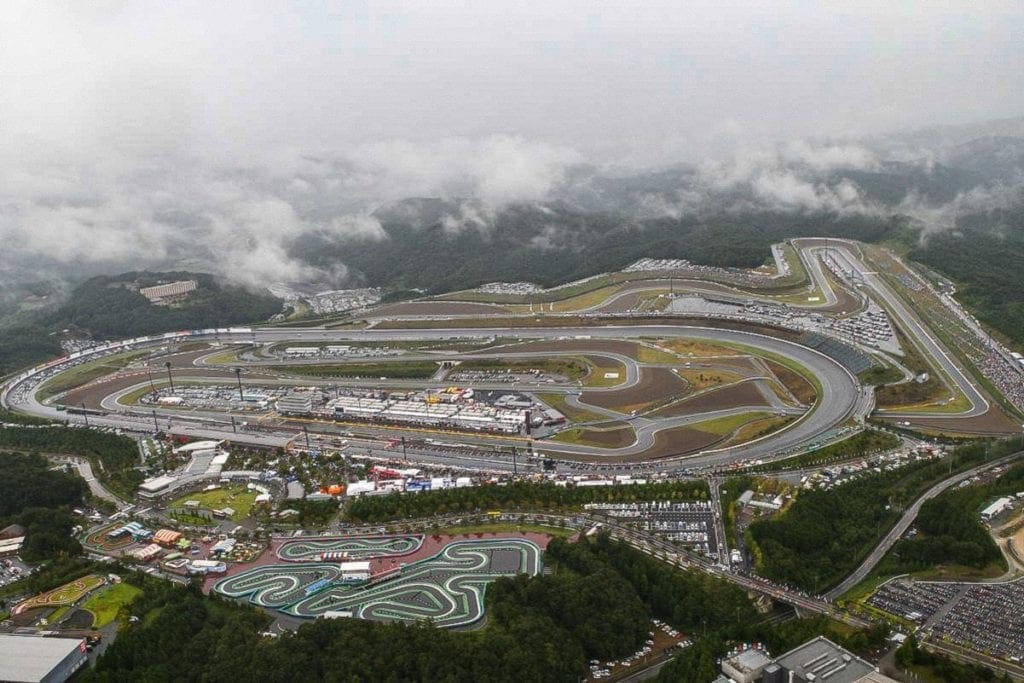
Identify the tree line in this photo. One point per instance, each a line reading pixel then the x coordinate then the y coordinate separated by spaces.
pixel 520 495
pixel 40 499
pixel 113 457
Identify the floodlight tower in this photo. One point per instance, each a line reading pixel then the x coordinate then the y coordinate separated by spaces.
pixel 170 377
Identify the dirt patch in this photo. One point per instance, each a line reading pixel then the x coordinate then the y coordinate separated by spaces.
pixel 801 389
pixel 79 618
pixel 732 396
pixel 656 385
pixel 679 441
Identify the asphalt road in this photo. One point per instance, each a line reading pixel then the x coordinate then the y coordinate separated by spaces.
pixel 909 515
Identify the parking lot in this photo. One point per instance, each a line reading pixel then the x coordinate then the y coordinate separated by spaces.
pixel 985 617
pixel 690 524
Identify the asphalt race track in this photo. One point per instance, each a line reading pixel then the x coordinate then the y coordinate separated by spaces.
pixel 447 588
pixel 353 547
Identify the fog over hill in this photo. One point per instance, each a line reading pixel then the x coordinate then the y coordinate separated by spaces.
pixel 289 144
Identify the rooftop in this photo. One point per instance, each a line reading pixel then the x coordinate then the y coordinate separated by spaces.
pixel 822 660
pixel 32 658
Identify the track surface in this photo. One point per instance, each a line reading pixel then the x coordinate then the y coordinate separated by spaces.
pixel 447 588
pixel 354 547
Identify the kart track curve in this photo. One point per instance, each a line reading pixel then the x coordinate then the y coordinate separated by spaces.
pixel 351 547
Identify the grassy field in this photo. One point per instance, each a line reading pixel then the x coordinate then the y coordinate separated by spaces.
pixel 591 436
pixel 758 428
pixel 574 303
pixel 596 376
pixel 87 372
pixel 235 497
pixel 647 354
pixel 105 605
pixel 572 413
pixel 723 426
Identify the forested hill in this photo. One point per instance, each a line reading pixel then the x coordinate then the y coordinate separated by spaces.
pixel 110 307
pixel 550 245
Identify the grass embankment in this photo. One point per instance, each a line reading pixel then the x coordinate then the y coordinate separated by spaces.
pixel 608 435
pixel 578 302
pixel 237 498
pixel 391 370
pixel 724 426
pixel 87 372
pixel 758 428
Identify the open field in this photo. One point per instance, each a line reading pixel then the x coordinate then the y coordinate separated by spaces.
pixel 105 605
pixel 610 437
pixel 656 385
pixel 724 426
pixel 436 308
pixel 729 396
pixel 235 497
pixel 705 378
pixel 758 428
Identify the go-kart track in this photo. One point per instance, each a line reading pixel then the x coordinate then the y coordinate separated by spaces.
pixel 347 548
pixel 664 439
pixel 447 588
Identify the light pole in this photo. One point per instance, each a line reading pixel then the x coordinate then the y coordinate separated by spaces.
pixel 170 378
pixel 238 376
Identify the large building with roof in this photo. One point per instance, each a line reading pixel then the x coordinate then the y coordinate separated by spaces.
pixel 816 661
pixel 36 659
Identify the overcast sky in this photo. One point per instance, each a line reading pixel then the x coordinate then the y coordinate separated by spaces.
pixel 197 133
pixel 212 77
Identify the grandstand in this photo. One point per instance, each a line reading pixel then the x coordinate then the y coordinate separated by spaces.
pixel 850 358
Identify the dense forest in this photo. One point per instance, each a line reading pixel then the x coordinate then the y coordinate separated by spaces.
pixel 111 308
pixel 950 531
pixel 40 499
pixel 985 256
pixel 823 535
pixel 517 495
pixel 113 457
pixel 554 244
